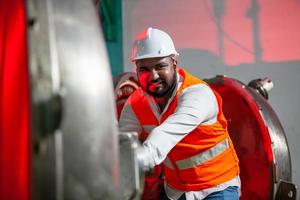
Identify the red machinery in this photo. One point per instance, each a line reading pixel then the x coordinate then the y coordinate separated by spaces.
pixel 258 137
pixel 14 103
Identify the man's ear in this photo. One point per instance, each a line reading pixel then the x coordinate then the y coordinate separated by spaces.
pixel 175 61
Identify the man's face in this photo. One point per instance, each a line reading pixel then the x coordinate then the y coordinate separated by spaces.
pixel 157 76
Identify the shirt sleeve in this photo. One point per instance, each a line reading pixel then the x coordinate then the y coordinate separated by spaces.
pixel 196 105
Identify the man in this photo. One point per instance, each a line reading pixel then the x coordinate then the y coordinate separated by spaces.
pixel 181 122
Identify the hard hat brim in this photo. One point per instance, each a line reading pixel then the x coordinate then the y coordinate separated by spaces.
pixel 153 56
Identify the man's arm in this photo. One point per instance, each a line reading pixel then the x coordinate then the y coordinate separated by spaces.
pixel 196 105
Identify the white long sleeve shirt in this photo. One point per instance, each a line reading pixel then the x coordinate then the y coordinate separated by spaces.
pixel 196 105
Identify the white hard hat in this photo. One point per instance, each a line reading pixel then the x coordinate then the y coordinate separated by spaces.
pixel 152 43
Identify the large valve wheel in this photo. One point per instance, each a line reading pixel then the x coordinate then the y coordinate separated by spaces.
pixel 74 137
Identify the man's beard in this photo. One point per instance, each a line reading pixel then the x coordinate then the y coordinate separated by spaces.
pixel 166 90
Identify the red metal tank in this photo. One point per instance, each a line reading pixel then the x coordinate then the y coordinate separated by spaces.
pixel 259 140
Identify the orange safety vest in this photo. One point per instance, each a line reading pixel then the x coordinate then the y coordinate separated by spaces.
pixel 202 159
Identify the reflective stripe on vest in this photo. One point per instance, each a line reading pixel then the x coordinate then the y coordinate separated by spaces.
pixel 148 128
pixel 201 157
pixel 168 163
